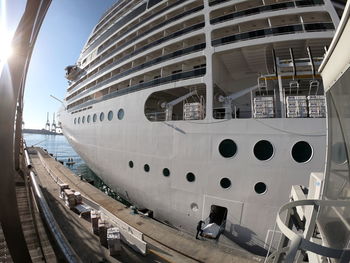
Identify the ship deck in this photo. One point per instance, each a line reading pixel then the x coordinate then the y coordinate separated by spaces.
pixel 164 243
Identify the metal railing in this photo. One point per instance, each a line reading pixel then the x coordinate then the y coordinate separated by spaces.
pixel 137 87
pixel 274 31
pixel 11 107
pixel 293 243
pixel 265 8
pixel 139 50
pixel 150 63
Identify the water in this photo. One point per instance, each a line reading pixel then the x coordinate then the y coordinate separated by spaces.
pixel 58 146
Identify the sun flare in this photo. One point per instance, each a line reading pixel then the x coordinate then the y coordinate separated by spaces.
pixel 5 45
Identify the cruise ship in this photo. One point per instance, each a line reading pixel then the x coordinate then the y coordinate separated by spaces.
pixel 204 109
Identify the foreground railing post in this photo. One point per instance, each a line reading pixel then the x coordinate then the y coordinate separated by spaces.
pixel 12 81
pixel 293 249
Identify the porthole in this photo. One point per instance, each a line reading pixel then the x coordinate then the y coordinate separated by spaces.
pixel 225 183
pixel 88 119
pixel 102 116
pixel 260 188
pixel 79 120
pixel 166 172
pixel 146 168
pixel 75 120
pixel 190 177
pixel 110 115
pixel 83 119
pixel 263 150
pixel 120 114
pixel 301 152
pixel 94 118
pixel 227 148
pixel 131 164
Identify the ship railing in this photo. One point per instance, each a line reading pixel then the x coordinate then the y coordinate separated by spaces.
pixel 115 27
pixel 88 100
pixel 156 116
pixel 293 245
pixel 152 62
pixel 141 49
pixel 161 116
pixel 122 17
pixel 273 31
pixel 265 8
pixel 238 112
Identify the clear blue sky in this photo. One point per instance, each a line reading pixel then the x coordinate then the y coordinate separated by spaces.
pixel 63 34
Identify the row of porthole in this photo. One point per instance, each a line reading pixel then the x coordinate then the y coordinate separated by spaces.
pixel 263 150
pixel 110 115
pixel 225 183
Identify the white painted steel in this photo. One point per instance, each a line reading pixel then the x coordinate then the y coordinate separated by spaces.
pixel 192 146
pixel 337 59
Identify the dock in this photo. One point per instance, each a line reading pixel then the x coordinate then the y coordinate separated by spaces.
pixel 154 241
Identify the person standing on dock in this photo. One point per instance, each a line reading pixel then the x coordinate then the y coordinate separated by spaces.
pixel 199 229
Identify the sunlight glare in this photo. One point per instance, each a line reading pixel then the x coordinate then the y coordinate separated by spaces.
pixel 5 36
pixel 5 45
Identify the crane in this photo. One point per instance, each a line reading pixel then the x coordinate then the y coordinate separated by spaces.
pixel 228 100
pixel 170 105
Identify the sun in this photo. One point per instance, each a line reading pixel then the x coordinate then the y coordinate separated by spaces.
pixel 5 45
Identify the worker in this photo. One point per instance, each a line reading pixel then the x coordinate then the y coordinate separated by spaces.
pixel 199 229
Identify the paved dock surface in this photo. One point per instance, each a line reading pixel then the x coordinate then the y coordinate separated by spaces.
pixel 165 244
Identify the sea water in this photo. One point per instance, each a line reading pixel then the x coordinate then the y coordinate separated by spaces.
pixel 59 148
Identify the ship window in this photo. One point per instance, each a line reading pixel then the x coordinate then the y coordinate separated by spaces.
pixel 75 120
pixel 302 152
pixel 83 119
pixel 94 118
pixel 79 120
pixel 131 164
pixel 260 188
pixel 225 183
pixel 166 172
pixel 120 114
pixel 263 150
pixel 227 148
pixel 88 119
pixel 110 115
pixel 190 177
pixel 146 168
pixel 102 116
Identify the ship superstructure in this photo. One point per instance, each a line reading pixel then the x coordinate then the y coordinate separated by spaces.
pixel 198 108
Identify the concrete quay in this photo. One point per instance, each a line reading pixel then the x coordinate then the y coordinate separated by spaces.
pixel 164 244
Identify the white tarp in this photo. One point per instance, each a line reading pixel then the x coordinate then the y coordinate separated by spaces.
pixel 211 230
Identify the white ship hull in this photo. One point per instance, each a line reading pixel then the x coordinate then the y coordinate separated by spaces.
pixel 185 83
pixel 192 146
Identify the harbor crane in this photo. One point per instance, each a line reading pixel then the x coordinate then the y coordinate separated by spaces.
pixel 47 125
pixel 53 125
